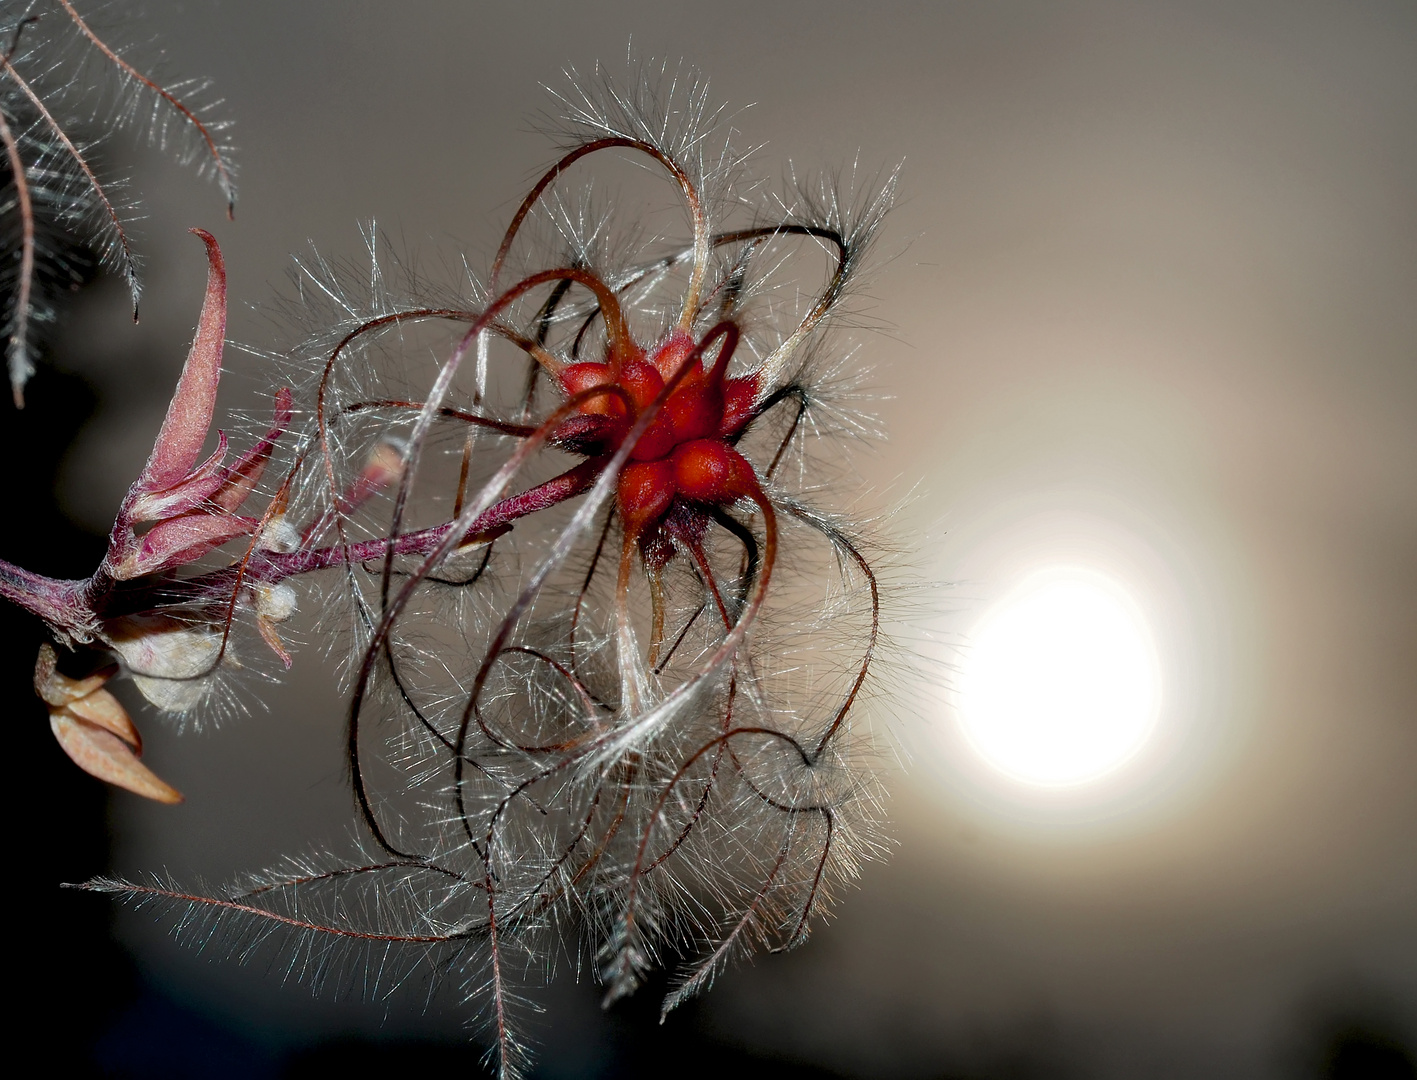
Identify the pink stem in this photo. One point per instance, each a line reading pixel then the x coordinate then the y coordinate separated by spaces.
pixel 61 603
pixel 278 565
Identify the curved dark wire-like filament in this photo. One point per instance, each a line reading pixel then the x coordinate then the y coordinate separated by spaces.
pixel 691 197
pixel 395 605
pixel 587 699
pixel 679 640
pixel 543 331
pixel 720 742
pixel 840 541
pixel 587 702
pixel 695 980
pixel 626 923
pixel 579 605
pixel 778 396
pixel 748 567
pixel 431 728
pixel 753 238
pixel 799 933
pixel 95 197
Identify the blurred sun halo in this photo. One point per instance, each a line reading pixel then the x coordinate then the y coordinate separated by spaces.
pixel 1061 684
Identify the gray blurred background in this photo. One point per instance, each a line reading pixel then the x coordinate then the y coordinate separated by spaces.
pixel 1149 302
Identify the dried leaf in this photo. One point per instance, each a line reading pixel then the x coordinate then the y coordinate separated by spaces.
pixel 103 709
pixel 58 690
pixel 102 754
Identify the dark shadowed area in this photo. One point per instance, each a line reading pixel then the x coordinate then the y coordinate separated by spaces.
pixel 1147 302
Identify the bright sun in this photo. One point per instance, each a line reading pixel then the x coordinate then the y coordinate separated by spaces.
pixel 1061 684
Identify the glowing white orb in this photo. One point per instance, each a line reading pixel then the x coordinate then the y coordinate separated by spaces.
pixel 1061 684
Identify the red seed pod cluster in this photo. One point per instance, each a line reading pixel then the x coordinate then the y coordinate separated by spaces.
pixel 607 650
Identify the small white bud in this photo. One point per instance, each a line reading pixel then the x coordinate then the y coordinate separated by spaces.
pixel 275 602
pixel 172 663
pixel 279 535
